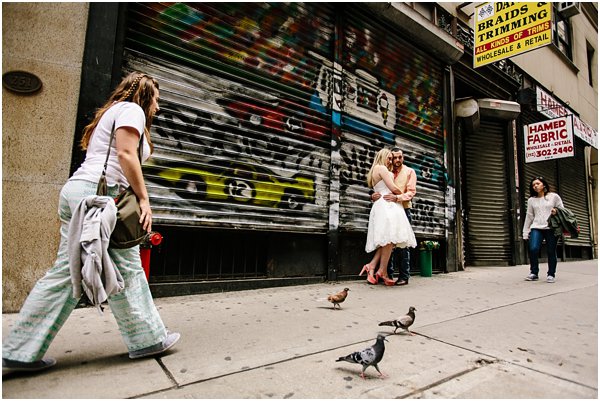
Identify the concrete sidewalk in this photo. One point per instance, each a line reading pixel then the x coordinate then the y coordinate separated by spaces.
pixel 481 333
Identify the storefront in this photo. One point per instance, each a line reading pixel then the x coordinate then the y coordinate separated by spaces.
pixel 392 93
pixel 566 175
pixel 239 181
pixel 486 165
pixel 270 118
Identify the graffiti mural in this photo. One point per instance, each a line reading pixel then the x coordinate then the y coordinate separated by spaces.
pixel 236 181
pixel 406 87
pixel 391 93
pixel 255 106
pixel 218 163
pixel 429 212
pixel 273 39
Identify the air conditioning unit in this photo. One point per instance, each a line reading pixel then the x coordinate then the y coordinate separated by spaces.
pixel 568 8
pixel 527 97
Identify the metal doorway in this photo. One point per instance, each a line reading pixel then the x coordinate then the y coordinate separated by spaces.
pixel 487 216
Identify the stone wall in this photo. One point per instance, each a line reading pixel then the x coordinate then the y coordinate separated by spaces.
pixel 46 39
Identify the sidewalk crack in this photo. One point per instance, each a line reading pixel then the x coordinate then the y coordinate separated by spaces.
pixel 167 372
pixel 441 381
pixel 494 359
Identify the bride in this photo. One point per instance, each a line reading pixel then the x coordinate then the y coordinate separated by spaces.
pixel 388 224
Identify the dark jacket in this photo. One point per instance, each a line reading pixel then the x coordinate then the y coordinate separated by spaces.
pixel 564 221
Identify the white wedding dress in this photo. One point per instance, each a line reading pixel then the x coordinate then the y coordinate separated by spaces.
pixel 388 223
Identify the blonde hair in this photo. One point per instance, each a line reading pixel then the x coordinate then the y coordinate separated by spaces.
pixel 381 158
pixel 137 88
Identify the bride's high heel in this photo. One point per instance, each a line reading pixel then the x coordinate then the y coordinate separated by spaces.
pixel 370 277
pixel 387 281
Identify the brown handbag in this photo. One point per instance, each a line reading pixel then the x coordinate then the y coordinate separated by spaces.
pixel 128 231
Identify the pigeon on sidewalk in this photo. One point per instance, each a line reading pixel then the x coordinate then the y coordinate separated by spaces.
pixel 368 357
pixel 403 322
pixel 337 299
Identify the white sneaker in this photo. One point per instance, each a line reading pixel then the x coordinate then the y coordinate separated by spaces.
pixel 9 366
pixel 550 279
pixel 531 277
pixel 159 348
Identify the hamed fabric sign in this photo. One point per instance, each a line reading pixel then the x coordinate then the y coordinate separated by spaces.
pixel 550 139
pixel 505 29
pixel 552 108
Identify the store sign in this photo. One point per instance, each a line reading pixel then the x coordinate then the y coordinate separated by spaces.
pixel 504 29
pixel 548 106
pixel 551 108
pixel 585 132
pixel 550 139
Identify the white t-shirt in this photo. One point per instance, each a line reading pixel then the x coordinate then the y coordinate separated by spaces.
pixel 123 114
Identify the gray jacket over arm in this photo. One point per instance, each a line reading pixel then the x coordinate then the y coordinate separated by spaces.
pixel 90 265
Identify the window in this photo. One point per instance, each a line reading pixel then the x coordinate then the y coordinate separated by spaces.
pixel 562 33
pixel 590 62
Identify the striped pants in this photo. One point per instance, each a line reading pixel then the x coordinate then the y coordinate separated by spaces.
pixel 51 301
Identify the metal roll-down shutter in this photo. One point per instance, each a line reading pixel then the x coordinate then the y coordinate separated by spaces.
pixel 487 215
pixel 243 137
pixel 391 95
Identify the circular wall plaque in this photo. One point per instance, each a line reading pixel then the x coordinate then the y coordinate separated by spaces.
pixel 21 82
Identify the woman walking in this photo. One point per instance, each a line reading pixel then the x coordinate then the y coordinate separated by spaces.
pixel 388 224
pixel 129 112
pixel 541 204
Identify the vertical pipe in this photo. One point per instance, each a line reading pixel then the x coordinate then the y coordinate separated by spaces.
pixel 336 159
pixel 454 258
pixel 513 187
pixel 520 251
pixel 591 202
pixel 447 114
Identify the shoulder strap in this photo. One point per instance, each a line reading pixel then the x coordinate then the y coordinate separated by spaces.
pixel 112 135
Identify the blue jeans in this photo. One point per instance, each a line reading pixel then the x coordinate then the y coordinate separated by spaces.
pixel 400 259
pixel 535 244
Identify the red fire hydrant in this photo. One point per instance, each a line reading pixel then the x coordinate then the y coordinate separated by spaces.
pixel 152 239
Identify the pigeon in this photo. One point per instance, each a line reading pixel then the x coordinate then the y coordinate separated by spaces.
pixel 403 322
pixel 337 299
pixel 368 357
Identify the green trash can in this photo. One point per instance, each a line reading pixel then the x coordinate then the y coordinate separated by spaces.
pixel 425 262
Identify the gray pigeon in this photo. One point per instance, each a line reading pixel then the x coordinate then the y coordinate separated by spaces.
pixel 368 357
pixel 403 322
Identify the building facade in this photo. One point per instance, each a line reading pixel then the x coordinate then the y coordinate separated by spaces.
pixel 271 114
pixel 567 85
pixel 45 39
pixel 495 182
